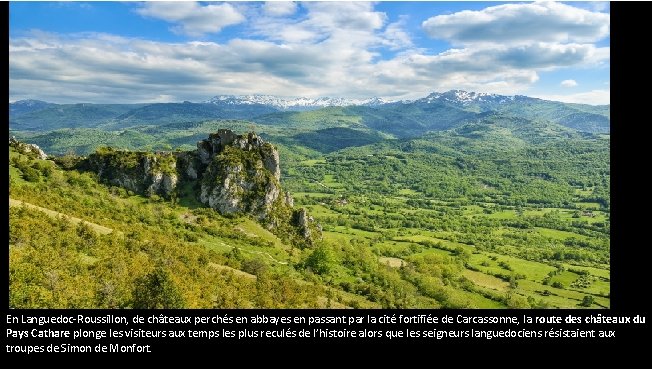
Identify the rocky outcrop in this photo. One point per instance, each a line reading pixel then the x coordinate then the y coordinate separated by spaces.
pixel 232 174
pixel 242 174
pixel 303 221
pixel 27 149
pixel 141 172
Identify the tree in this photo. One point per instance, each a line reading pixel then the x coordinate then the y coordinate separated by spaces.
pixel 587 301
pixel 156 290
pixel 255 266
pixel 320 260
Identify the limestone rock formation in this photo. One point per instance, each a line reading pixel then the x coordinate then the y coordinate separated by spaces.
pixel 242 174
pixel 232 174
pixel 27 149
pixel 141 172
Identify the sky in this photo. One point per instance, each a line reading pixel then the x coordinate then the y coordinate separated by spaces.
pixel 132 52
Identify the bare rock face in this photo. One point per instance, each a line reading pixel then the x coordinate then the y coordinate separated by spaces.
pixel 141 172
pixel 27 149
pixel 242 174
pixel 162 180
pixel 289 201
pixel 271 161
pixel 188 164
pixel 303 222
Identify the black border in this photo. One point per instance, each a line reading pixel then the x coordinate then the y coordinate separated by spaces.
pixel 629 72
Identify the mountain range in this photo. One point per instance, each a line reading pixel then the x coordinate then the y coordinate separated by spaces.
pixel 330 123
pixel 293 104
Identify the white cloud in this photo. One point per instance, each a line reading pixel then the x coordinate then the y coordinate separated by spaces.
pixel 105 68
pixel 191 18
pixel 596 6
pixel 327 50
pixel 520 23
pixel 593 97
pixel 569 83
pixel 280 8
pixel 521 40
pixel 322 21
pixel 345 15
pixel 546 56
pixel 395 36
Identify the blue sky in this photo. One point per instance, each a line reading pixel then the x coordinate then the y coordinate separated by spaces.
pixel 117 52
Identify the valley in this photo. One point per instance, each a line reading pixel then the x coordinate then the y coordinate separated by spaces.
pixel 456 200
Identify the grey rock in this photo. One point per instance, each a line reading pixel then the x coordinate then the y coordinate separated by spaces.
pixel 27 149
pixel 303 221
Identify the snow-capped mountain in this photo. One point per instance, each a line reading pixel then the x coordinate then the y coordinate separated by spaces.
pixel 458 98
pixel 465 98
pixel 300 103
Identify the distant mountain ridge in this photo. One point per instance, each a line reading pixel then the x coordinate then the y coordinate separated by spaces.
pixel 25 106
pixel 296 104
pixel 401 119
pixel 582 117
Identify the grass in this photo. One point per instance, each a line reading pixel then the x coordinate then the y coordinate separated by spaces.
pixel 558 235
pixel 299 195
pixel 505 214
pixel 584 192
pixel 255 229
pixel 562 298
pixel 96 227
pixel 320 211
pixel 337 237
pixel 476 300
pixel 313 162
pixel 533 271
pixel 435 251
pixel 16 175
pixel 485 280
pixel 232 270
pixel 275 256
pixel 394 247
pixel 445 243
pixel 330 181
pixel 392 262
pixel 598 272
pixel 565 278
pixel 355 232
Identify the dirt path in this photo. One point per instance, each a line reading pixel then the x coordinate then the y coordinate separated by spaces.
pixel 98 228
